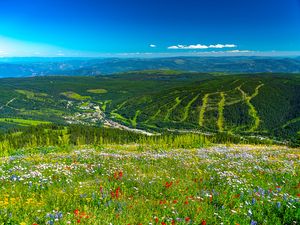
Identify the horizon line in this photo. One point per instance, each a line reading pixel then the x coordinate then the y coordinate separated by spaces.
pixel 290 54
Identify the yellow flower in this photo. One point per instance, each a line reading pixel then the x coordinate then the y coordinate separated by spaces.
pixel 23 223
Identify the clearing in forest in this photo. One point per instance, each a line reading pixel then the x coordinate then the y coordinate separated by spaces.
pixel 252 111
pixel 220 122
pixel 202 110
pixel 169 112
pixel 187 108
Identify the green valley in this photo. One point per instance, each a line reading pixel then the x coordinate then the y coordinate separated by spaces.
pixel 263 105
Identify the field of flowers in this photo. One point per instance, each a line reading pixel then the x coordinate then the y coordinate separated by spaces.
pixel 135 185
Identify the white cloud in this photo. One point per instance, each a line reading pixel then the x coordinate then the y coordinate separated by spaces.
pixel 173 47
pixel 152 46
pixel 223 46
pixel 239 51
pixel 199 46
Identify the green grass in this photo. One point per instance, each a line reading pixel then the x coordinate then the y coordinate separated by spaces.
pixel 31 94
pixel 119 117
pixel 74 96
pixel 105 104
pixel 23 122
pixel 120 106
pixel 220 122
pixel 97 91
pixel 134 119
pixel 153 117
pixel 134 184
pixel 187 108
pixel 170 110
pixel 252 110
pixel 202 110
pixel 34 96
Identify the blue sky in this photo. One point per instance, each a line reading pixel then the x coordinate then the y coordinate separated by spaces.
pixel 144 27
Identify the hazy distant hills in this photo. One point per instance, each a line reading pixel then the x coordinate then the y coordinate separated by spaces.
pixel 24 67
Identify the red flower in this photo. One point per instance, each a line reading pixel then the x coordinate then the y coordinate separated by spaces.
pixel 203 222
pixel 175 201
pixel 78 221
pixel 173 222
pixel 161 202
pixel 186 202
pixel 187 219
pixel 118 175
pixel 84 215
pixel 236 196
pixel 76 212
pixel 163 223
pixel 168 184
pixel 116 193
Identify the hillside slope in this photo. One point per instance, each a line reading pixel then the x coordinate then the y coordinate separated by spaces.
pixel 255 104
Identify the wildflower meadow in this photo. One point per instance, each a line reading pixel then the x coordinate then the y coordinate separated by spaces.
pixel 133 184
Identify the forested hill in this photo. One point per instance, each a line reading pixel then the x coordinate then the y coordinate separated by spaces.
pixel 24 67
pixel 261 105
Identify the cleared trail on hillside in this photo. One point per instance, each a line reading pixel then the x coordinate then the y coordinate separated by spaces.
pixel 187 108
pixel 295 120
pixel 120 106
pixel 154 116
pixel 169 112
pixel 134 119
pixel 203 109
pixel 252 111
pixel 220 122
pixel 7 104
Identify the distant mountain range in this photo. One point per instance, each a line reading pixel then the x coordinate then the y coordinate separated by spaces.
pixel 25 67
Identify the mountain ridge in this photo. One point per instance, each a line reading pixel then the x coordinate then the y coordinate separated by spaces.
pixel 26 67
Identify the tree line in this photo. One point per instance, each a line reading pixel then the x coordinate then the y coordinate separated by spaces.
pixel 77 135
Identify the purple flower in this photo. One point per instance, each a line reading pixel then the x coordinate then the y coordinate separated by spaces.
pixel 278 204
pixel 253 222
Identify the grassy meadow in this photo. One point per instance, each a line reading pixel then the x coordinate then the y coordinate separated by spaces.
pixel 137 184
pixel 151 148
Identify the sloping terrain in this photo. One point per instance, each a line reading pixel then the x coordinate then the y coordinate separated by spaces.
pixel 256 104
pixel 259 104
pixel 25 67
pixel 129 184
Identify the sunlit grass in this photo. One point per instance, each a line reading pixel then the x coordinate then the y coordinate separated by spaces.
pixel 133 184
